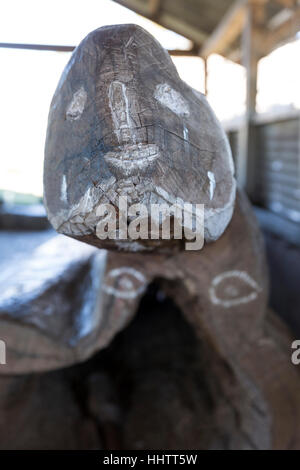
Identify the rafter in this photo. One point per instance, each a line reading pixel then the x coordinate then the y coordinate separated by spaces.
pixel 284 32
pixel 227 30
pixel 166 20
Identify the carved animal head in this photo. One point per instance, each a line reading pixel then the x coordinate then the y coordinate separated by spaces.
pixel 123 123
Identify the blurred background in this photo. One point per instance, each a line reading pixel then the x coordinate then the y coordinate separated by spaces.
pixel 244 55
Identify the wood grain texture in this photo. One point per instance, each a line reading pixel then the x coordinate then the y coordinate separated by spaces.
pixel 222 293
pixel 41 412
pixel 122 123
pixel 56 306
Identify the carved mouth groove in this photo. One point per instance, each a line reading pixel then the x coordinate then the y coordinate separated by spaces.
pixel 129 158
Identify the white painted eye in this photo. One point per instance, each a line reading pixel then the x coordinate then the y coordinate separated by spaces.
pixel 233 288
pixel 125 283
pixel 172 99
pixel 76 107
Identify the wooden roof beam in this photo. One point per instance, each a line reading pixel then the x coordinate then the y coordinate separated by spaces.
pixel 154 8
pixel 180 27
pixel 141 8
pixel 287 3
pixel 153 11
pixel 272 37
pixel 227 30
pixel 283 33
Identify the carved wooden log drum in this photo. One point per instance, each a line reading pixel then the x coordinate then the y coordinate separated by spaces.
pixel 218 373
pixel 122 123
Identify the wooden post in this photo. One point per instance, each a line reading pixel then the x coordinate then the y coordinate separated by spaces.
pixel 251 39
pixel 227 31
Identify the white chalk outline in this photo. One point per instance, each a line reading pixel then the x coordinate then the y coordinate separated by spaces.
pixel 123 294
pixel 117 124
pixel 244 276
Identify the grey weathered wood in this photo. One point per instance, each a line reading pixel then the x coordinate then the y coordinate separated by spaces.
pixel 223 292
pixel 42 412
pixel 285 32
pixel 252 41
pixel 56 307
pixel 122 123
pixel 70 300
pixel 223 288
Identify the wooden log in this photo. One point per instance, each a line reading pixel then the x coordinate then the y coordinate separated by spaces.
pixel 222 291
pixel 106 104
pixel 108 100
pixel 57 307
pixel 41 412
pixel 123 124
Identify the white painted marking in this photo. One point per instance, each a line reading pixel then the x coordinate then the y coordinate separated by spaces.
pixel 64 196
pixel 220 128
pixel 119 106
pixel 212 184
pixel 185 133
pixel 82 219
pixel 132 158
pixel 76 107
pixel 216 220
pixel 172 99
pixel 131 246
pixel 233 290
pixel 165 195
pixel 127 278
pixel 67 221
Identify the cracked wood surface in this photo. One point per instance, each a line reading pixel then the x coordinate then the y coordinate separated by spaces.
pixel 222 293
pixel 122 123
